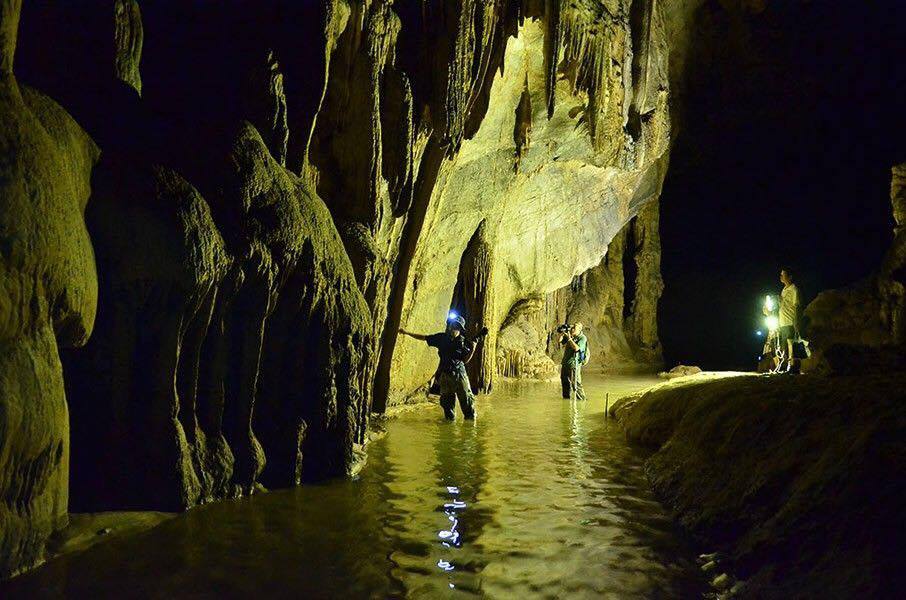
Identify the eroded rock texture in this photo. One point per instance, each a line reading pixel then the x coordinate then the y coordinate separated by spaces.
pixel 48 295
pixel 232 344
pixel 616 301
pixel 279 190
pixel 555 169
pixel 793 519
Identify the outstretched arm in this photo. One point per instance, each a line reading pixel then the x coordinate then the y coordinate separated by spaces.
pixel 418 336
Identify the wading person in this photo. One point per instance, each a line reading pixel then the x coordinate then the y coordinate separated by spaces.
pixel 788 318
pixel 454 351
pixel 575 355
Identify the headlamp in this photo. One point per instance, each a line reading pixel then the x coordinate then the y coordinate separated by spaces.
pixel 451 316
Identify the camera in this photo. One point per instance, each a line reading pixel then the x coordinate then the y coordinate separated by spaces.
pixel 563 328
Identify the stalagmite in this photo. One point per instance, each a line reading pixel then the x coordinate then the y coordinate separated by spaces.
pixel 48 301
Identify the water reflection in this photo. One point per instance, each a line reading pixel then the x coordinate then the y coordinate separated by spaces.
pixel 538 498
pixel 460 473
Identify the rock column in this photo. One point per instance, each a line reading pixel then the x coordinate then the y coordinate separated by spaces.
pixel 641 324
pixel 474 299
pixel 48 298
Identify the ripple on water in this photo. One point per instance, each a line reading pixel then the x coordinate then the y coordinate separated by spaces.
pixel 538 498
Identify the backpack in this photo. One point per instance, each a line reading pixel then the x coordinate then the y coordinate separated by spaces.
pixel 584 355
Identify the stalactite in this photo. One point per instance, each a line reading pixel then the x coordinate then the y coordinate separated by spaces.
pixel 282 195
pixel 588 38
pixel 520 343
pixel 128 37
pixel 894 266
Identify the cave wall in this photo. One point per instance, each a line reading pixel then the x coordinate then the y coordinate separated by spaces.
pixel 231 345
pixel 616 301
pixel 861 328
pixel 252 201
pixel 48 295
pixel 227 302
pixel 553 186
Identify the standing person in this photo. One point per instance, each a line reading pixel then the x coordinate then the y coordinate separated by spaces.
pixel 575 355
pixel 788 317
pixel 454 351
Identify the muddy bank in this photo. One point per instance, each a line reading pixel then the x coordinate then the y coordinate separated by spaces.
pixel 794 480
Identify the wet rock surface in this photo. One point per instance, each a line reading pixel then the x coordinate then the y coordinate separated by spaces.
pixel 234 210
pixel 793 479
pixel 679 371
pixel 264 216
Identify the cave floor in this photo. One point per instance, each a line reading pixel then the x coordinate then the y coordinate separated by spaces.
pixel 539 497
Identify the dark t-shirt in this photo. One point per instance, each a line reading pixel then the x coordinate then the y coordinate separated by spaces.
pixel 452 350
pixel 572 357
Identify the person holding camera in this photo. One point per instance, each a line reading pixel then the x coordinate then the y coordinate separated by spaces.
pixel 575 356
pixel 454 351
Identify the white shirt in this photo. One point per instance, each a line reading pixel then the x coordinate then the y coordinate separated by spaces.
pixel 789 304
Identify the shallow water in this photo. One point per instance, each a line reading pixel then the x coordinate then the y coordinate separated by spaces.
pixel 539 497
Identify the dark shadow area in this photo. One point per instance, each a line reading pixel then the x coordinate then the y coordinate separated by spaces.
pixel 787 134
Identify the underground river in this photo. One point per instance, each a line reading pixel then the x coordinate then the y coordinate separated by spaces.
pixel 538 498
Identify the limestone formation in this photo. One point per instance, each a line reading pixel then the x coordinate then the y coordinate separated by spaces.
pixel 581 179
pixel 641 322
pixel 813 513
pixel 48 296
pixel 679 371
pixel 282 187
pixel 522 342
pixel 198 252
pixel 265 216
pixel 127 38
pixel 473 296
pixel 622 335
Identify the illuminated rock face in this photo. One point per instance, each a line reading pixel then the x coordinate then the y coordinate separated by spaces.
pixel 616 301
pixel 48 294
pixel 267 212
pixel 552 189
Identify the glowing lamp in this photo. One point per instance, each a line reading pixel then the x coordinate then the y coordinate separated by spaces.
pixel 769 302
pixel 451 316
pixel 771 322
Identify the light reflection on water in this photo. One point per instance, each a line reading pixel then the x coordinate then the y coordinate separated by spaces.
pixel 539 497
